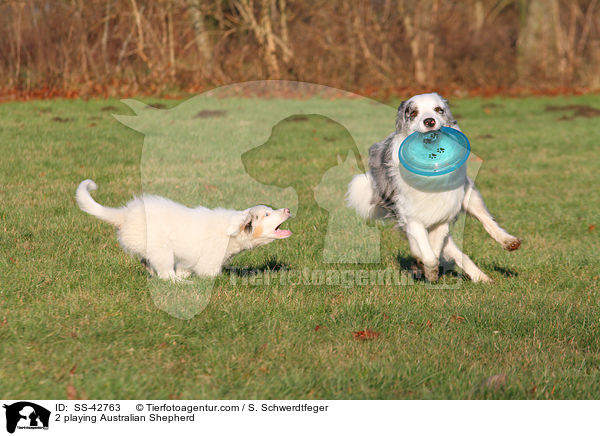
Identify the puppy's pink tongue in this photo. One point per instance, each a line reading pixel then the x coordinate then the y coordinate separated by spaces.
pixel 282 233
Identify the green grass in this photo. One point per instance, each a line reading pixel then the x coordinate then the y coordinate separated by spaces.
pixel 76 311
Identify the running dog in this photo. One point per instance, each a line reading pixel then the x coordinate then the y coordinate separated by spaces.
pixel 423 207
pixel 173 240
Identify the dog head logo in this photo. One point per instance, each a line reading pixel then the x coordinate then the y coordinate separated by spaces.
pixel 26 415
pixel 231 151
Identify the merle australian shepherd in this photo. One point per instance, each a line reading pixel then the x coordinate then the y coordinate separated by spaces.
pixel 423 207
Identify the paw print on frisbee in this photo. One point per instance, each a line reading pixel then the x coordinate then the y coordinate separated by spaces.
pixel 434 153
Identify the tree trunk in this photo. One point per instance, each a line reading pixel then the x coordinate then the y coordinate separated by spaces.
pixel 269 42
pixel 535 51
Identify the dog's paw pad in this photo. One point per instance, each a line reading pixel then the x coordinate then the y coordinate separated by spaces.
pixel 512 244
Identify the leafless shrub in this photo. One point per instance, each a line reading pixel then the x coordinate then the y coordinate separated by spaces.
pixel 151 45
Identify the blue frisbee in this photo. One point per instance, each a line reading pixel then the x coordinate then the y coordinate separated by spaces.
pixel 434 153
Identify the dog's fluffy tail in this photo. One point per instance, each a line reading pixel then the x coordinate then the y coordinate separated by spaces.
pixel 87 204
pixel 360 196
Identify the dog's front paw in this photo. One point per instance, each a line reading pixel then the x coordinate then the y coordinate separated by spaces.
pixel 482 279
pixel 512 244
pixel 432 274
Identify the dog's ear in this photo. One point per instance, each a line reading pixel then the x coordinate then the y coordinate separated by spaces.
pixel 400 116
pixel 241 221
pixel 450 120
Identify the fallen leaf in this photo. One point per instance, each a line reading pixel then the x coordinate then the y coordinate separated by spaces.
pixel 456 318
pixel 429 324
pixel 318 327
pixel 591 227
pixel 162 345
pixel 72 371
pixel 533 389
pixel 365 334
pixel 71 392
pixel 385 317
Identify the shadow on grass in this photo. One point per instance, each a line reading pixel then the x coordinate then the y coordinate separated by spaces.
pixel 505 272
pixel 270 265
pixel 446 268
pixel 408 263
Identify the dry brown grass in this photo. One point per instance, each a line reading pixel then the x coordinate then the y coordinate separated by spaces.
pixel 119 47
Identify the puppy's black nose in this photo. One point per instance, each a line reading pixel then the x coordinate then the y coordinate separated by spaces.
pixel 429 122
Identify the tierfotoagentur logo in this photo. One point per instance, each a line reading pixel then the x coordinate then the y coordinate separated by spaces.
pixel 345 278
pixel 25 415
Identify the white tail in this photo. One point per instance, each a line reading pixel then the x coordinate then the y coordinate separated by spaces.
pixel 87 204
pixel 360 195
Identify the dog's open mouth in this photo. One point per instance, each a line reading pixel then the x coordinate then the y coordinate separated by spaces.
pixel 281 233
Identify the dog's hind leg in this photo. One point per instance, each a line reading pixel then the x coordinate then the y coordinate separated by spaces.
pixel 474 205
pixel 452 252
pixel 420 247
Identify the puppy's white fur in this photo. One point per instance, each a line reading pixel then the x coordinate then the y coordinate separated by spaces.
pixel 173 240
pixel 423 206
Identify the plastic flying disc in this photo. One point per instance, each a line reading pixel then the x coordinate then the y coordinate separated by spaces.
pixel 434 153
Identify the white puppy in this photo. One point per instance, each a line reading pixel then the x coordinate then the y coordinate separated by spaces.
pixel 423 206
pixel 173 240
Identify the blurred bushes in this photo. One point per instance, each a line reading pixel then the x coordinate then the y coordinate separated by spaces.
pixel 153 46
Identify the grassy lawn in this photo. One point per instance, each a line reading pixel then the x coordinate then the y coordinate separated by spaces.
pixel 78 317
